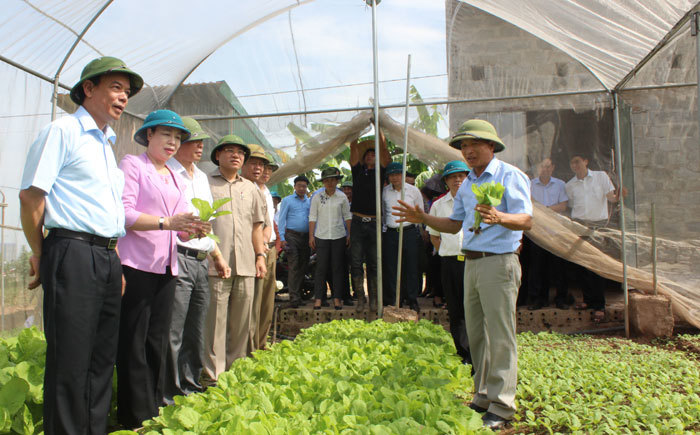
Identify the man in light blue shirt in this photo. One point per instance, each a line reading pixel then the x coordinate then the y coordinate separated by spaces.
pixel 547 190
pixel 550 192
pixel 492 270
pixel 72 187
pixel 293 226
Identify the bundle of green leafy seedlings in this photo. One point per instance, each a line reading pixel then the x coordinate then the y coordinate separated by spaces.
pixel 340 377
pixel 489 193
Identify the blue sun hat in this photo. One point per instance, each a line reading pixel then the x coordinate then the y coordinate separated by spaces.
pixel 454 167
pixel 166 118
pixel 394 168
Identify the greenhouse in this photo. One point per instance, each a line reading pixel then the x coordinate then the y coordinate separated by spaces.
pixel 616 81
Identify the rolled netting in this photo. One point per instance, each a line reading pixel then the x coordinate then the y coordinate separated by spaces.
pixel 598 250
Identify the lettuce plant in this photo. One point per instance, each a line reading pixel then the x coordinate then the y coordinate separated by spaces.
pixel 489 193
pixel 209 211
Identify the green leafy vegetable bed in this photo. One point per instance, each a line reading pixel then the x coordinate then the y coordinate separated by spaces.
pixel 612 385
pixel 22 360
pixel 356 377
pixel 341 376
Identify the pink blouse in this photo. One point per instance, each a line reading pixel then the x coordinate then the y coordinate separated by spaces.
pixel 146 191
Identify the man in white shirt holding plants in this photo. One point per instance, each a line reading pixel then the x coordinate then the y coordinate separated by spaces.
pixel 410 276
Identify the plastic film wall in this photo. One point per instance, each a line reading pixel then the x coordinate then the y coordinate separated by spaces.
pixel 296 77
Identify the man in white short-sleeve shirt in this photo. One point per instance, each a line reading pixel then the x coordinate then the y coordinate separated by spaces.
pixel 589 192
pixel 411 238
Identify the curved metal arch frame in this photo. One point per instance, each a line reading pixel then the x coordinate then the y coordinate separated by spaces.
pixel 233 36
pixel 54 99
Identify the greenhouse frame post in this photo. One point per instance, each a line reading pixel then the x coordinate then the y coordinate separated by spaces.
pixel 653 249
pixel 403 180
pixel 54 100
pixel 695 31
pixel 3 205
pixel 618 163
pixel 377 160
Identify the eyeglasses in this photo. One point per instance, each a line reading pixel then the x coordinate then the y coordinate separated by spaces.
pixel 232 151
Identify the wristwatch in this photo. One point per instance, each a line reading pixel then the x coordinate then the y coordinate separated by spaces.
pixel 161 221
pixel 260 254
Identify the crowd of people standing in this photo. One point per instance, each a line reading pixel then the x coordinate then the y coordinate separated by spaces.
pixel 132 275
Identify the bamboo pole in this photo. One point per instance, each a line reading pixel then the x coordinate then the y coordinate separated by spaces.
pixel 403 180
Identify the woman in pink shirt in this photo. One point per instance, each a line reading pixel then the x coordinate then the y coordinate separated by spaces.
pixel 156 213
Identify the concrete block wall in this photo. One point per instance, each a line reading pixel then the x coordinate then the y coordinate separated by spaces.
pixel 490 58
pixel 666 160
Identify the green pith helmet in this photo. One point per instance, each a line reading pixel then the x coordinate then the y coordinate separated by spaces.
pixel 272 163
pixel 477 129
pixel 164 118
pixel 346 184
pixel 100 66
pixel 394 168
pixel 258 152
pixel 454 167
pixel 331 172
pixel 196 130
pixel 229 139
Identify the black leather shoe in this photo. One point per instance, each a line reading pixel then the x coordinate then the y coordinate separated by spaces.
pixel 348 302
pixel 493 421
pixel 477 408
pixel 414 306
pixel 562 305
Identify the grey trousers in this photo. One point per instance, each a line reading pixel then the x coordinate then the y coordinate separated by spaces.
pixel 491 290
pixel 186 339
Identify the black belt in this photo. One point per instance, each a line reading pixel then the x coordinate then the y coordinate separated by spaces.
pixel 105 242
pixel 363 219
pixel 296 233
pixel 194 253
pixel 475 255
pixel 405 227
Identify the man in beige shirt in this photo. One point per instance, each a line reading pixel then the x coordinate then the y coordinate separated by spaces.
pixel 253 170
pixel 228 328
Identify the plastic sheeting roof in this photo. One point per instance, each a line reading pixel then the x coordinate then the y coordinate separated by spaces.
pixel 167 41
pixel 610 38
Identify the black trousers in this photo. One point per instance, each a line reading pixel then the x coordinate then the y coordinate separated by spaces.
pixel 433 276
pixel 363 249
pixel 82 292
pixel 545 267
pixel 143 344
pixel 453 290
pixel 329 257
pixel 593 286
pixel 410 274
pixel 298 253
